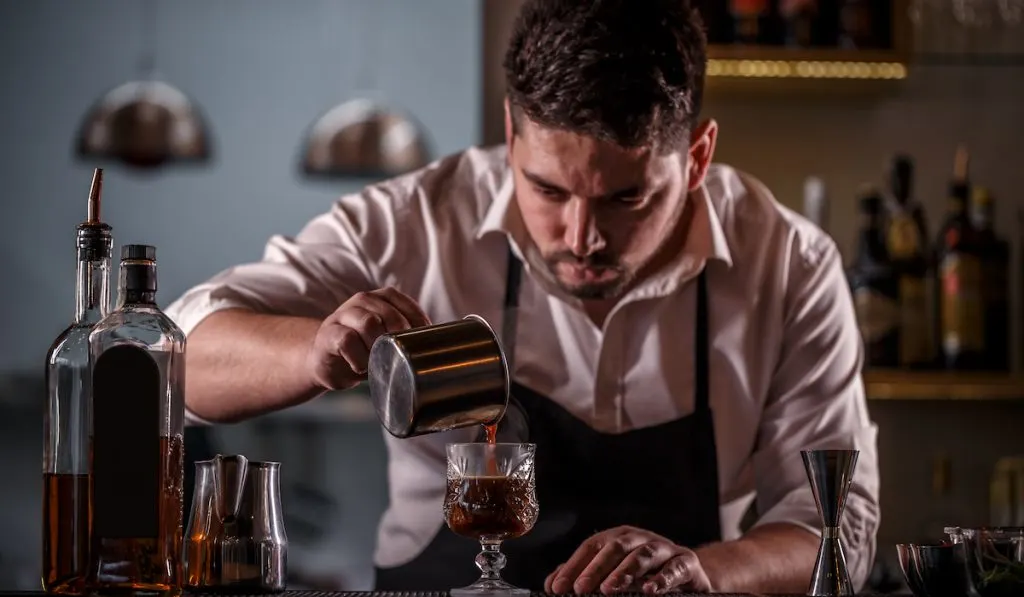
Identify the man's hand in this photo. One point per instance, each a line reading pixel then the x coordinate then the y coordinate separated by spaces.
pixel 340 353
pixel 629 559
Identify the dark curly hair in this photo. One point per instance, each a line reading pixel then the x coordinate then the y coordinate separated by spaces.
pixel 626 71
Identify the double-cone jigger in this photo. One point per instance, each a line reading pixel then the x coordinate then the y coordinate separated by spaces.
pixel 830 473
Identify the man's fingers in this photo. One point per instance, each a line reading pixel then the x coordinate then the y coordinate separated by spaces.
pixel 550 579
pixel 681 571
pixel 405 305
pixel 610 556
pixel 644 559
pixel 570 570
pixel 340 341
pixel 389 317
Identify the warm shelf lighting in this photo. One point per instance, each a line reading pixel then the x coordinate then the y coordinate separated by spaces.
pixel 805 69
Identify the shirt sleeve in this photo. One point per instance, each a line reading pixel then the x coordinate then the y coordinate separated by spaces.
pixel 817 401
pixel 336 255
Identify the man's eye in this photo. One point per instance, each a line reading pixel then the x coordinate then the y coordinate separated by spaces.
pixel 548 191
pixel 629 199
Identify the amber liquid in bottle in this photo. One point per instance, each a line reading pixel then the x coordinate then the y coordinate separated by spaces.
pixel 149 564
pixel 66 532
pixel 66 515
pixel 137 357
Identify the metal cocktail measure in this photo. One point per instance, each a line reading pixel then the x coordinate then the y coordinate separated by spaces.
pixel 830 473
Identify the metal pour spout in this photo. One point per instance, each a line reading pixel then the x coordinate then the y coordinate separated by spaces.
pixel 830 473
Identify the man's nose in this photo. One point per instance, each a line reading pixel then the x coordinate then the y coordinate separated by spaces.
pixel 582 234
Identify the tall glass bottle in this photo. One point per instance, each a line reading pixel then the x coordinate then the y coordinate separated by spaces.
pixel 875 286
pixel 994 254
pixel 137 355
pixel 66 419
pixel 907 242
pixel 961 312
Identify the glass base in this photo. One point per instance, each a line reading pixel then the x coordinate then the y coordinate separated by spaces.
pixel 497 588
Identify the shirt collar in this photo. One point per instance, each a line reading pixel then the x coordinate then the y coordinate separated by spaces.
pixel 705 239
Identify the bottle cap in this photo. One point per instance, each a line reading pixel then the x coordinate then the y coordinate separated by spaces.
pixel 138 253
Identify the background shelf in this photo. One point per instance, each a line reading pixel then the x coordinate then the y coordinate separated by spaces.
pixel 942 385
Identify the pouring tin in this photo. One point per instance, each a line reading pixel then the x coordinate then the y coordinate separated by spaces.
pixel 438 377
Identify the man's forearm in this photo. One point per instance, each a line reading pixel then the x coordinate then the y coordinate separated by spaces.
pixel 774 558
pixel 241 364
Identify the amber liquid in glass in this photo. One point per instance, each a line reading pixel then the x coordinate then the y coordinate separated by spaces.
pixel 147 565
pixel 491 508
pixel 65 532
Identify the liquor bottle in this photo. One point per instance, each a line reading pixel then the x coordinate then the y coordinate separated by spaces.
pixel 798 17
pixel 994 254
pixel 855 24
pixel 906 243
pixel 874 286
pixel 66 419
pixel 747 15
pixel 137 356
pixel 961 315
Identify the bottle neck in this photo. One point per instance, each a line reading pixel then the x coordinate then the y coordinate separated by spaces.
pixel 137 284
pixel 92 290
pixel 872 241
pixel 958 201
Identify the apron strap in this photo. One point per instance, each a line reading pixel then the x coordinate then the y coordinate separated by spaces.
pixel 510 314
pixel 701 367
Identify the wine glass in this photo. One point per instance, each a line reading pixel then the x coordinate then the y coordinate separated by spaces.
pixel 491 497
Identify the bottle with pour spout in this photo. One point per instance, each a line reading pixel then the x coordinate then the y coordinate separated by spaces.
pixel 66 451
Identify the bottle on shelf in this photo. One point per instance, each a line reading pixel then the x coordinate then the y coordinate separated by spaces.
pixel 994 254
pixel 906 241
pixel 875 286
pixel 747 16
pixel 137 355
pixel 855 24
pixel 961 317
pixel 798 17
pixel 66 418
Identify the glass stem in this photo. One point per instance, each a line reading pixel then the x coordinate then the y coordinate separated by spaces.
pixel 490 561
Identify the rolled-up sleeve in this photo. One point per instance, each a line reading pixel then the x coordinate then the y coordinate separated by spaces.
pixel 817 401
pixel 334 256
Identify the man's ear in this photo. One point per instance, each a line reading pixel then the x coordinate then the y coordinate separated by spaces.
pixel 701 152
pixel 509 129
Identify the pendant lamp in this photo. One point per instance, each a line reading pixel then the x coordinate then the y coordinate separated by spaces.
pixel 146 123
pixel 363 137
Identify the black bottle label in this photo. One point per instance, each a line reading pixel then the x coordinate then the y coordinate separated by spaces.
pixel 126 444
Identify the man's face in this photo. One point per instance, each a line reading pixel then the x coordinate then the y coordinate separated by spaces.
pixel 597 212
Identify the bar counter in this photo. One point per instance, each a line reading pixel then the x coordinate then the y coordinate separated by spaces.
pixel 445 594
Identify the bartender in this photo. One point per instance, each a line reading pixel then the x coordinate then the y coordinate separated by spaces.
pixel 679 335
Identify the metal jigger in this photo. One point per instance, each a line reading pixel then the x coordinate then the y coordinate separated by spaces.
pixel 830 473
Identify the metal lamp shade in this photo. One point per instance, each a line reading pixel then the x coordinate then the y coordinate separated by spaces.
pixel 145 124
pixel 361 139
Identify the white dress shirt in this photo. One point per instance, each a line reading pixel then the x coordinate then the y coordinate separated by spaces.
pixel 785 355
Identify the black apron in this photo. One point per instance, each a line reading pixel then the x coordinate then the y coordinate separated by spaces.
pixel 662 478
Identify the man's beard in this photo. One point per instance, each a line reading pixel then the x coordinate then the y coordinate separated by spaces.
pixel 601 290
